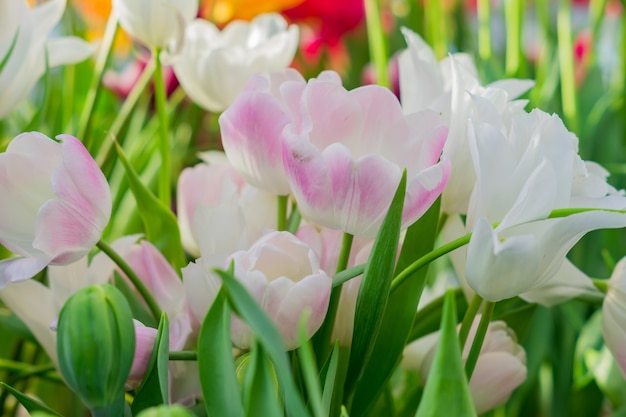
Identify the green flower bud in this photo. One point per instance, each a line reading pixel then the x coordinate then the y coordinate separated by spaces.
pixel 95 346
pixel 166 411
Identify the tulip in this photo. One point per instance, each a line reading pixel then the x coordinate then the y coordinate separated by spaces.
pixel 27 30
pixel 155 23
pixel 95 345
pixel 252 129
pixel 446 87
pixel 522 175
pixel 55 204
pixel 344 152
pixel 214 66
pixel 282 274
pixel 614 315
pixel 144 345
pixel 226 203
pixel 500 369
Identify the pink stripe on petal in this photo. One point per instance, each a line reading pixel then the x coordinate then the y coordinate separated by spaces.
pixel 423 190
pixel 252 136
pixel 90 188
pixel 62 233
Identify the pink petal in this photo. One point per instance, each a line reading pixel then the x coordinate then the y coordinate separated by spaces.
pixel 252 137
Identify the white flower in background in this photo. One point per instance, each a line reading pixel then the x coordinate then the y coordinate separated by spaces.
pixel 25 46
pixel 156 23
pixel 500 368
pixel 214 66
pixel 522 174
pixel 447 87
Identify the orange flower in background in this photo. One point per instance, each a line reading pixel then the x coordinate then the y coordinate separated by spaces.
pixel 95 14
pixel 223 11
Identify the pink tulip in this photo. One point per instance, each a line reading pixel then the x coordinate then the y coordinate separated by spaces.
pixel 252 128
pixel 500 368
pixel 345 151
pixel 55 204
pixel 144 344
pixel 218 212
pixel 283 275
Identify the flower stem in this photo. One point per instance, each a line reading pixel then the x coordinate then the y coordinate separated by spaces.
pixel 94 90
pixel 283 201
pixel 513 10
pixel 468 318
pixel 377 42
pixel 566 65
pixel 484 29
pixel 104 152
pixel 479 338
pixel 601 284
pixel 133 277
pixel 164 143
pixel 323 335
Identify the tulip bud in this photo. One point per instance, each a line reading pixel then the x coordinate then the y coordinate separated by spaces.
pixel 96 345
pixel 166 411
pixel 500 369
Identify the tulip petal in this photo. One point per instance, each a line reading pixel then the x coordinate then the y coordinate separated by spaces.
pixel 20 269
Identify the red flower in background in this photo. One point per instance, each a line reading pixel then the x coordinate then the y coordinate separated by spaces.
pixel 330 19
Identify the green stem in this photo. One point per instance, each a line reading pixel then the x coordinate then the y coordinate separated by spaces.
pixel 104 153
pixel 165 172
pixel 484 29
pixel 377 42
pixel 133 277
pixel 94 90
pixel 428 258
pixel 468 318
pixel 566 66
pixel 323 335
pixel 513 15
pixel 435 24
pixel 479 338
pixel 283 201
pixel 294 219
pixel 183 355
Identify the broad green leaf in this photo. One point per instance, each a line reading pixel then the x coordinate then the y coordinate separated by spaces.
pixel 159 221
pixel 261 388
pixel 246 308
pixel 154 388
pixel 399 314
pixel 374 290
pixel 31 405
pixel 222 394
pixel 447 391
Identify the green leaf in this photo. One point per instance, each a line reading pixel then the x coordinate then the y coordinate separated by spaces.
pixel 159 221
pixel 309 369
pixel 374 290
pixel 447 390
pixel 261 387
pixel 136 306
pixel 154 389
pixel 7 56
pixel 222 394
pixel 247 308
pixel 398 317
pixel 331 369
pixel 29 404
